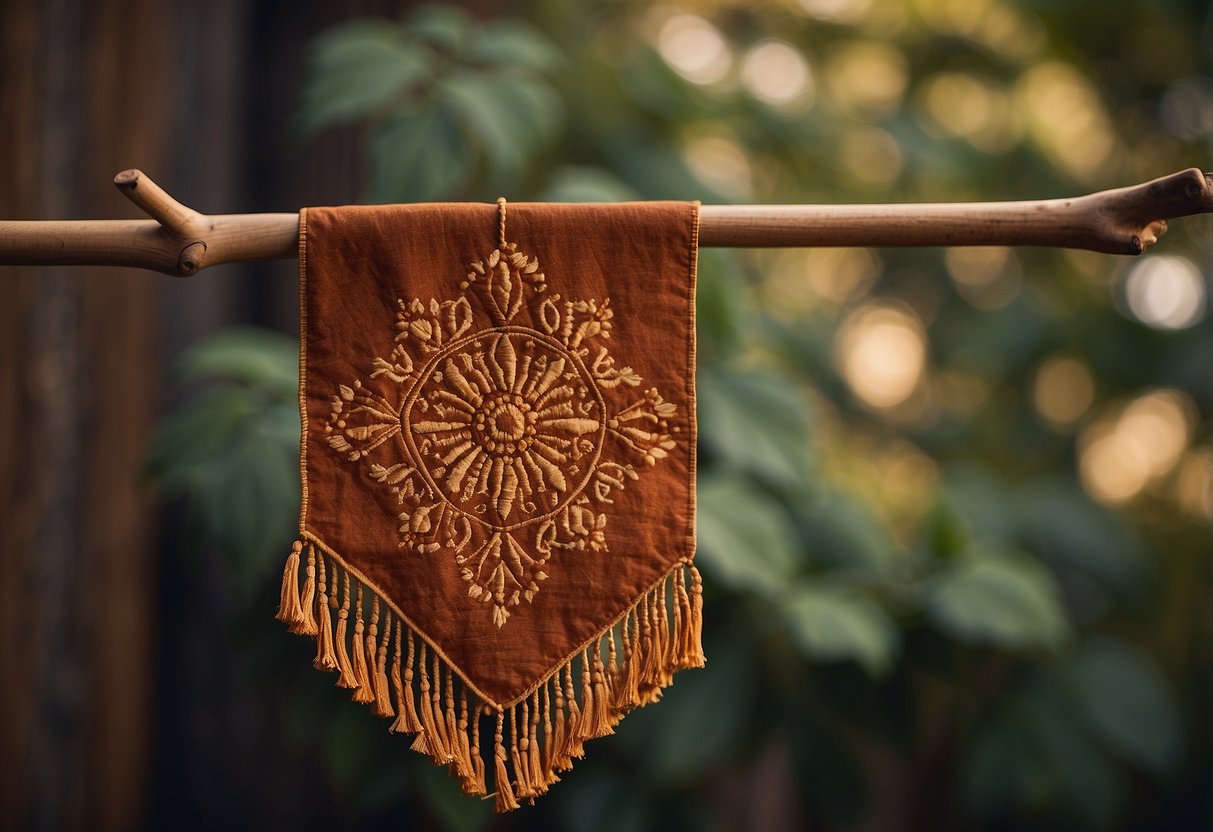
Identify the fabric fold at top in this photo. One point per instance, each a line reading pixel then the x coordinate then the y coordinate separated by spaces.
pixel 498 465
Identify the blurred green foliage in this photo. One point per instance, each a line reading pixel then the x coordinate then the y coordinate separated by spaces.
pixel 931 602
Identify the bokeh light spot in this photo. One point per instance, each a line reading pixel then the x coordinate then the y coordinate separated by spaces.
pixel 776 74
pixel 1166 292
pixel 836 11
pixel 1062 390
pixel 960 105
pixel 881 352
pixel 1194 484
pixel 1067 119
pixel 694 48
pixel 1119 457
pixel 840 275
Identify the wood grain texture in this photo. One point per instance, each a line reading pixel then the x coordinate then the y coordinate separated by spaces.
pixel 78 388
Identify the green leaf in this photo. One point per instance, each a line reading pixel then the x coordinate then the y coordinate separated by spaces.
pixel 831 624
pixel 757 422
pixel 444 25
pixel 537 110
pixel 233 450
pixel 356 69
pixel 1072 532
pixel 846 535
pixel 1127 703
pixel 245 354
pixel 512 44
pixel 250 504
pixel 745 538
pixel 192 436
pixel 419 156
pixel 1008 600
pixel 487 118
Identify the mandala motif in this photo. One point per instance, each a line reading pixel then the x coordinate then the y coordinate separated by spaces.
pixel 491 428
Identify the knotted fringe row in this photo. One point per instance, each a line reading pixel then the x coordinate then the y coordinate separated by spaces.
pixel 623 667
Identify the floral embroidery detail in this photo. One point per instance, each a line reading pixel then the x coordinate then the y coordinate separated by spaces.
pixel 491 433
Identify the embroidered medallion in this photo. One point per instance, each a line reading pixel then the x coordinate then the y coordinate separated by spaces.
pixel 493 443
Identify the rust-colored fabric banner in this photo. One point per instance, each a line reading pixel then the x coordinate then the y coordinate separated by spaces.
pixel 498 463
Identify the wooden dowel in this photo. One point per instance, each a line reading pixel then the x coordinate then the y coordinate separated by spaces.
pixel 180 241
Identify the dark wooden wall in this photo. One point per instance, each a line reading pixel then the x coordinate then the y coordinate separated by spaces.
pixel 103 628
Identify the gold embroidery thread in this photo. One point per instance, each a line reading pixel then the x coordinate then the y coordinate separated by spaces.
pixel 492 434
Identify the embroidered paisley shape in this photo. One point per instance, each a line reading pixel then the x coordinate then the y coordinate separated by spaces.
pixel 489 427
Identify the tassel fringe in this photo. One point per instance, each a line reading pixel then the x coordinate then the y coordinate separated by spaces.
pixel 347 678
pixel 583 699
pixel 362 678
pixel 289 609
pixel 325 659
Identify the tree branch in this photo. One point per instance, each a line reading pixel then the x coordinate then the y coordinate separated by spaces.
pixel 181 241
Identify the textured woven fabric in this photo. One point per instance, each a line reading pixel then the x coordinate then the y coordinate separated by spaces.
pixel 498 471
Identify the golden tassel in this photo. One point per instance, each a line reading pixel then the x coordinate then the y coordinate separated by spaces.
pixel 623 694
pixel 558 759
pixel 505 795
pixel 573 745
pixel 383 700
pixel 682 620
pixel 600 722
pixel 647 686
pixel 443 741
pixel 372 653
pixel 585 725
pixel 612 666
pixel 465 769
pixel 307 600
pixel 347 678
pixel 461 767
pixel 635 664
pixel 325 660
pixel 428 741
pixel 478 786
pixel 408 709
pixel 363 692
pixel 539 778
pixel 549 740
pixel 403 723
pixel 662 664
pixel 521 758
pixel 288 600
pixel 695 655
